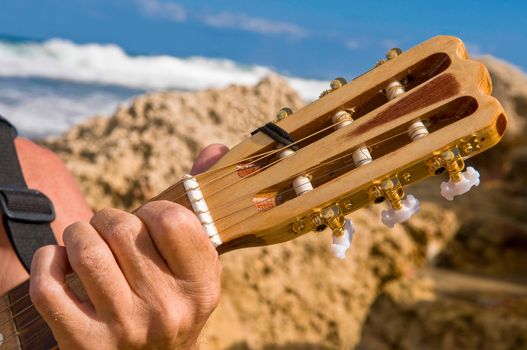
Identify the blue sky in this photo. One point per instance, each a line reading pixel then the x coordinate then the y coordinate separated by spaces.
pixel 304 38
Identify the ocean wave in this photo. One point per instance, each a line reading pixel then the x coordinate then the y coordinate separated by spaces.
pixel 110 64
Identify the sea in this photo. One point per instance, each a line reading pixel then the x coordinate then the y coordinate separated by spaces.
pixel 48 86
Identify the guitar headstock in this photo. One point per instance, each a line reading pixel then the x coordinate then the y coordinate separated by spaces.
pixel 417 114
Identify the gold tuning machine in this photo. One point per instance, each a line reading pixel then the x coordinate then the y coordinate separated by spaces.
pixel 454 164
pixel 331 216
pixel 393 191
pixel 334 85
pixel 283 113
pixel 392 53
pixel 450 160
pixel 334 219
pixel 460 182
pixel 400 207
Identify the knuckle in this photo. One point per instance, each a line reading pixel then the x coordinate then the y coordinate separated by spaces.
pixel 71 233
pixel 114 224
pixel 86 255
pixel 131 338
pixel 168 321
pixel 174 218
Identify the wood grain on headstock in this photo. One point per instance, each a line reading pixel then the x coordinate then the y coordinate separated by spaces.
pixel 444 88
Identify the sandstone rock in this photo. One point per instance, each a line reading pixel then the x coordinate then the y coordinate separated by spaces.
pixel 474 313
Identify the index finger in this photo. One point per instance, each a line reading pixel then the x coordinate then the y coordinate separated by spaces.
pixel 181 240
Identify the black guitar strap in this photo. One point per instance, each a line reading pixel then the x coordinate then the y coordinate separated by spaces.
pixel 26 213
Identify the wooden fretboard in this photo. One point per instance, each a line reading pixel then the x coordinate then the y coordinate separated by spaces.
pixel 22 327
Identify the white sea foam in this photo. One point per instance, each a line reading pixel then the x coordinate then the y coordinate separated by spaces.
pixel 110 64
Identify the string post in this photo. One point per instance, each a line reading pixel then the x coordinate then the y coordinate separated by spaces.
pixel 337 83
pixel 343 118
pixel 334 85
pixel 283 113
pixel 301 184
pixel 417 130
pixel 393 52
pixel 361 156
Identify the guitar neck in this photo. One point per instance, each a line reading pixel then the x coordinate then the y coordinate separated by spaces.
pixel 21 326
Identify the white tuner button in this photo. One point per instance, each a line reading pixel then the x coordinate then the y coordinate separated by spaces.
pixel 390 216
pixel 342 243
pixel 451 189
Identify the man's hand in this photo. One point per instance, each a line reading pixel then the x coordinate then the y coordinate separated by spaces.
pixel 152 278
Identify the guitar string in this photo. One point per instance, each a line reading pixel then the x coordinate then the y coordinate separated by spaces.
pixel 288 190
pixel 8 307
pixel 18 331
pixel 318 166
pixel 274 151
pixel 33 335
pixel 265 155
pixel 281 193
pixel 69 279
pixel 15 315
pixel 209 195
pixel 322 164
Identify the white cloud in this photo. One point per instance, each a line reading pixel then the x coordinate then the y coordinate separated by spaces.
pixel 244 22
pixel 173 11
pixel 352 44
pixel 168 10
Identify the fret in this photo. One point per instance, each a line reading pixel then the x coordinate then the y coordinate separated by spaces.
pixel 8 340
pixel 33 332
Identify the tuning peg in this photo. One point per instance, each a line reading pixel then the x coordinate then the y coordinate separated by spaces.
pixel 343 242
pixel 283 113
pixel 334 85
pixel 460 182
pixel 337 83
pixel 392 216
pixel 468 179
pixel 392 53
pixel 399 210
